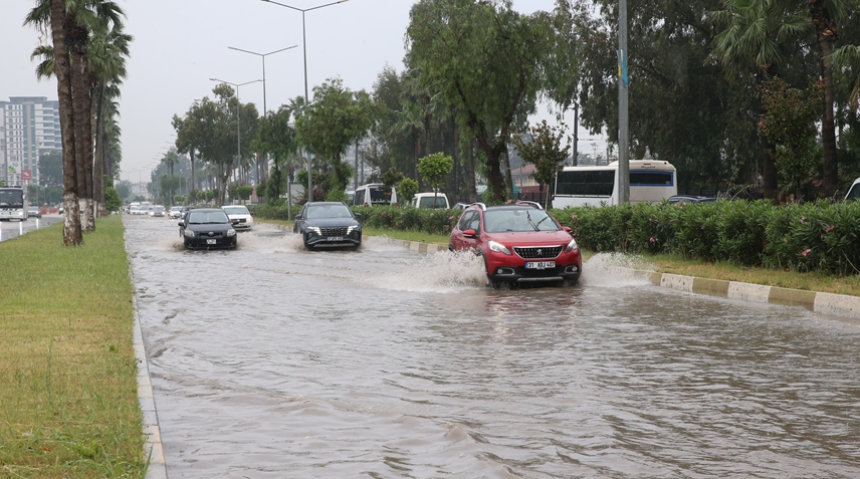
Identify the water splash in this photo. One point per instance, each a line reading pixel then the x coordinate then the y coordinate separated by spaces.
pixel 616 270
pixel 443 272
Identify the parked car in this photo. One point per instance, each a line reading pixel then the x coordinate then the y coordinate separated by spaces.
pixel 854 191
pixel 156 211
pixel 207 228
pixel 426 200
pixel 690 199
pixel 326 224
pixel 34 211
pixel 60 210
pixel 460 206
pixel 175 212
pixel 519 243
pixel 239 216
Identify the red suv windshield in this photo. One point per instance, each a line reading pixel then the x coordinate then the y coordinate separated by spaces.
pixel 518 220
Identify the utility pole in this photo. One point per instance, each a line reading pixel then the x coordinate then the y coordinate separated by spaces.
pixel 623 119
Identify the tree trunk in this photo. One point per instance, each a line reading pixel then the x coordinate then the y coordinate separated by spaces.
pixel 101 157
pixel 826 32
pixel 83 125
pixel 470 175
pixel 508 178
pixel 72 235
pixel 456 155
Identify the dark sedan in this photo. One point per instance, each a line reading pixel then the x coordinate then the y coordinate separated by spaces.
pixel 327 224
pixel 208 228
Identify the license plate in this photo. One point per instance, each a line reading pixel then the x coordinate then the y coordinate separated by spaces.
pixel 335 238
pixel 540 265
pixel 211 241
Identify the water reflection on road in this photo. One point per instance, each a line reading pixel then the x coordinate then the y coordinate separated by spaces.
pixel 271 361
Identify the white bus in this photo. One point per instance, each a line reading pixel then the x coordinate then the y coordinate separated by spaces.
pixel 650 180
pixel 372 195
pixel 13 203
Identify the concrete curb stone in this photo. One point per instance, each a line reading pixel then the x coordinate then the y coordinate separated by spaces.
pixel 153 449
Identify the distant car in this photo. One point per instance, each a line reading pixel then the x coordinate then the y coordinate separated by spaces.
pixel 34 211
pixel 427 200
pixel 460 206
pixel 327 224
pixel 60 210
pixel 519 243
pixel 138 210
pixel 690 199
pixel 175 212
pixel 239 216
pixel 207 228
pixel 156 211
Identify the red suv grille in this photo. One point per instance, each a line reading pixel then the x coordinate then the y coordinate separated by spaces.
pixel 538 251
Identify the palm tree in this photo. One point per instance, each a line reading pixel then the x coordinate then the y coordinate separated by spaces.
pixel 52 14
pixel 757 33
pixel 822 11
pixel 107 69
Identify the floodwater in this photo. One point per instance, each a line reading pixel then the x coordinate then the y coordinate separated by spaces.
pixel 274 362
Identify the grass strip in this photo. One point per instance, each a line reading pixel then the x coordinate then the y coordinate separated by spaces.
pixel 68 376
pixel 675 264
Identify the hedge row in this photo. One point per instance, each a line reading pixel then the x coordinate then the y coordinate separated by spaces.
pixel 808 237
pixel 385 217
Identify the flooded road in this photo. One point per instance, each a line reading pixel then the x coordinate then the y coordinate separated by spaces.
pixel 273 362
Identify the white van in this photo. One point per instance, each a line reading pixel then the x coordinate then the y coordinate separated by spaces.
pixel 372 195
pixel 650 180
pixel 425 200
pixel 854 191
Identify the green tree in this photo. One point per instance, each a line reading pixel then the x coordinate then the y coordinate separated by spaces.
pixel 790 126
pixel 486 61
pixel 51 168
pixel 759 33
pixel 330 124
pixel 541 146
pixel 434 168
pixel 112 200
pixel 390 178
pixel 406 189
pixel 277 137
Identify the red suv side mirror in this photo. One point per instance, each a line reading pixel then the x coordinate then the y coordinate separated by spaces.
pixel 470 233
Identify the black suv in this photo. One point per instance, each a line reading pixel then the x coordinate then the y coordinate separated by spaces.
pixel 327 224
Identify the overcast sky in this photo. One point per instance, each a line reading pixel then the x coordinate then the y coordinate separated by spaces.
pixel 180 44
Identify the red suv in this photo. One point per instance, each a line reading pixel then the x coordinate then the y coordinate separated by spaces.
pixel 519 243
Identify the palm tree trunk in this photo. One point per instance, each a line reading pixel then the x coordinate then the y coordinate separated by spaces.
pixel 72 235
pixel 100 156
pixel 83 125
pixel 826 33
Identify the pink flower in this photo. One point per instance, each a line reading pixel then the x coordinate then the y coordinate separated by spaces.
pixel 803 219
pixel 450 217
pixel 703 227
pixel 830 228
pixel 807 252
pixel 653 239
pixel 431 215
pixel 573 217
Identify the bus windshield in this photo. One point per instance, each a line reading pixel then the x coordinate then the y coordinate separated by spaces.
pixel 12 198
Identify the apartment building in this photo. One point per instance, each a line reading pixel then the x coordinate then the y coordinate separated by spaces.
pixel 29 127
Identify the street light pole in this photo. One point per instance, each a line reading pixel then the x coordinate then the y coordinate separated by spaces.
pixel 305 48
pixel 238 107
pixel 623 106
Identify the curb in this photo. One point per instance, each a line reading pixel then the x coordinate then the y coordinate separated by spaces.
pixel 824 303
pixel 153 449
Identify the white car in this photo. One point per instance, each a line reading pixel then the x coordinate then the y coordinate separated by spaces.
pixel 175 212
pixel 239 216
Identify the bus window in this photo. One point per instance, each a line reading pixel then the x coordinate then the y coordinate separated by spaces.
pixel 651 178
pixel 358 198
pixel 853 193
pixel 586 183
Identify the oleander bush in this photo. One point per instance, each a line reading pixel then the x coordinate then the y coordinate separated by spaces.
pixel 409 219
pixel 818 236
